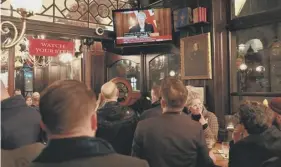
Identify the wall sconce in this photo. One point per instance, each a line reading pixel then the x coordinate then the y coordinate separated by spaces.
pixel 243 67
pixel 172 73
pixel 25 8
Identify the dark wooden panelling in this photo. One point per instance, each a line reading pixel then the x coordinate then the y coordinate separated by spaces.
pixel 98 72
pixel 259 19
pixel 221 60
pixel 40 80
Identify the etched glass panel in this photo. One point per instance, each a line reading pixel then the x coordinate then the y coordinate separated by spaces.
pixel 127 69
pixel 83 13
pixel 162 66
pixel 257 64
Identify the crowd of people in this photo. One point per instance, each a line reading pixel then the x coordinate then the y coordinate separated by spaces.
pixel 66 125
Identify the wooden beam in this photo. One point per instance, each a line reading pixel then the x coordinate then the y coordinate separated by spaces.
pixel 220 60
pixel 86 66
pixel 259 19
pixel 11 71
pixel 35 26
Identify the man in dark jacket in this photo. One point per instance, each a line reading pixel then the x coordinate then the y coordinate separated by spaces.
pixel 171 139
pixel 116 123
pixel 155 109
pixel 68 113
pixel 20 124
pixel 263 142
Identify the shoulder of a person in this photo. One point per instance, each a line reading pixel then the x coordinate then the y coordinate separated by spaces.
pixel 210 114
pixel 127 160
pixel 155 108
pixel 32 111
pixel 109 161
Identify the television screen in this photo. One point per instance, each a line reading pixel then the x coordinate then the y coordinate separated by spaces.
pixel 142 26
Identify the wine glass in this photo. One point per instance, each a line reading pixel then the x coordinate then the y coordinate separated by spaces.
pixel 225 149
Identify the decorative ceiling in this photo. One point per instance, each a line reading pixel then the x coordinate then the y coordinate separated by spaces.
pixel 84 13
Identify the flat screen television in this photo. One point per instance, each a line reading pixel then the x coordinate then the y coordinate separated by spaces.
pixel 142 26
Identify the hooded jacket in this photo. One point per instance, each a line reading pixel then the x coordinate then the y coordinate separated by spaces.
pixel 116 125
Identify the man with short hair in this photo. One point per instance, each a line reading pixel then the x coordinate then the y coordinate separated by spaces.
pixel 171 139
pixel 69 117
pixel 17 92
pixel 116 123
pixel 263 141
pixel 275 105
pixel 155 109
pixel 20 124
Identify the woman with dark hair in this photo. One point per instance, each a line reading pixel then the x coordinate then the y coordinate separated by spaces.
pixel 263 142
pixel 28 101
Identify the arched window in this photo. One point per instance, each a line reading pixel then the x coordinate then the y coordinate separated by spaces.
pixel 126 69
pixel 163 65
pixel 134 83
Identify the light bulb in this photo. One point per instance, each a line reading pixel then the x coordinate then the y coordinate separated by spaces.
pixel 172 73
pixel 260 69
pixel 243 67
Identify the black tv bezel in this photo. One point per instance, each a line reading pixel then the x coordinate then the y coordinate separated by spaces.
pixel 140 43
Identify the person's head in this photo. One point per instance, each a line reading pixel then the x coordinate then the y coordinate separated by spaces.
pixel 17 92
pixel 4 92
pixel 35 99
pixel 173 94
pixel 195 46
pixel 28 100
pixel 67 109
pixel 275 106
pixel 253 116
pixel 109 91
pixel 194 103
pixel 155 93
pixel 141 16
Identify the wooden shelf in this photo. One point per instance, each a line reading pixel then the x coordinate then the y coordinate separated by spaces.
pixel 262 94
pixel 199 24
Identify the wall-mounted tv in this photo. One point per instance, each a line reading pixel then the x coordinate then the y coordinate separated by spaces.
pixel 142 26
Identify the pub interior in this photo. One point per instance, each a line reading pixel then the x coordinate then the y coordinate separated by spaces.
pixel 225 51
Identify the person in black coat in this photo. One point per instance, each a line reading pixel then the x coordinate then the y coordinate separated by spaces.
pixel 142 104
pixel 68 110
pixel 263 142
pixel 171 139
pixel 116 123
pixel 155 109
pixel 20 124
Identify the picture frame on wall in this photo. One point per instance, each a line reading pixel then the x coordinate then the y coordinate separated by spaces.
pixel 195 54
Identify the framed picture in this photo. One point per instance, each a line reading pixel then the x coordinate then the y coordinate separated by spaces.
pixel 196 57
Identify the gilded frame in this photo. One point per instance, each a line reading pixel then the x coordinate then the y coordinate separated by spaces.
pixel 205 52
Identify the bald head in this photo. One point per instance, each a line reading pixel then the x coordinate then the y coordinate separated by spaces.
pixel 4 92
pixel 109 91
